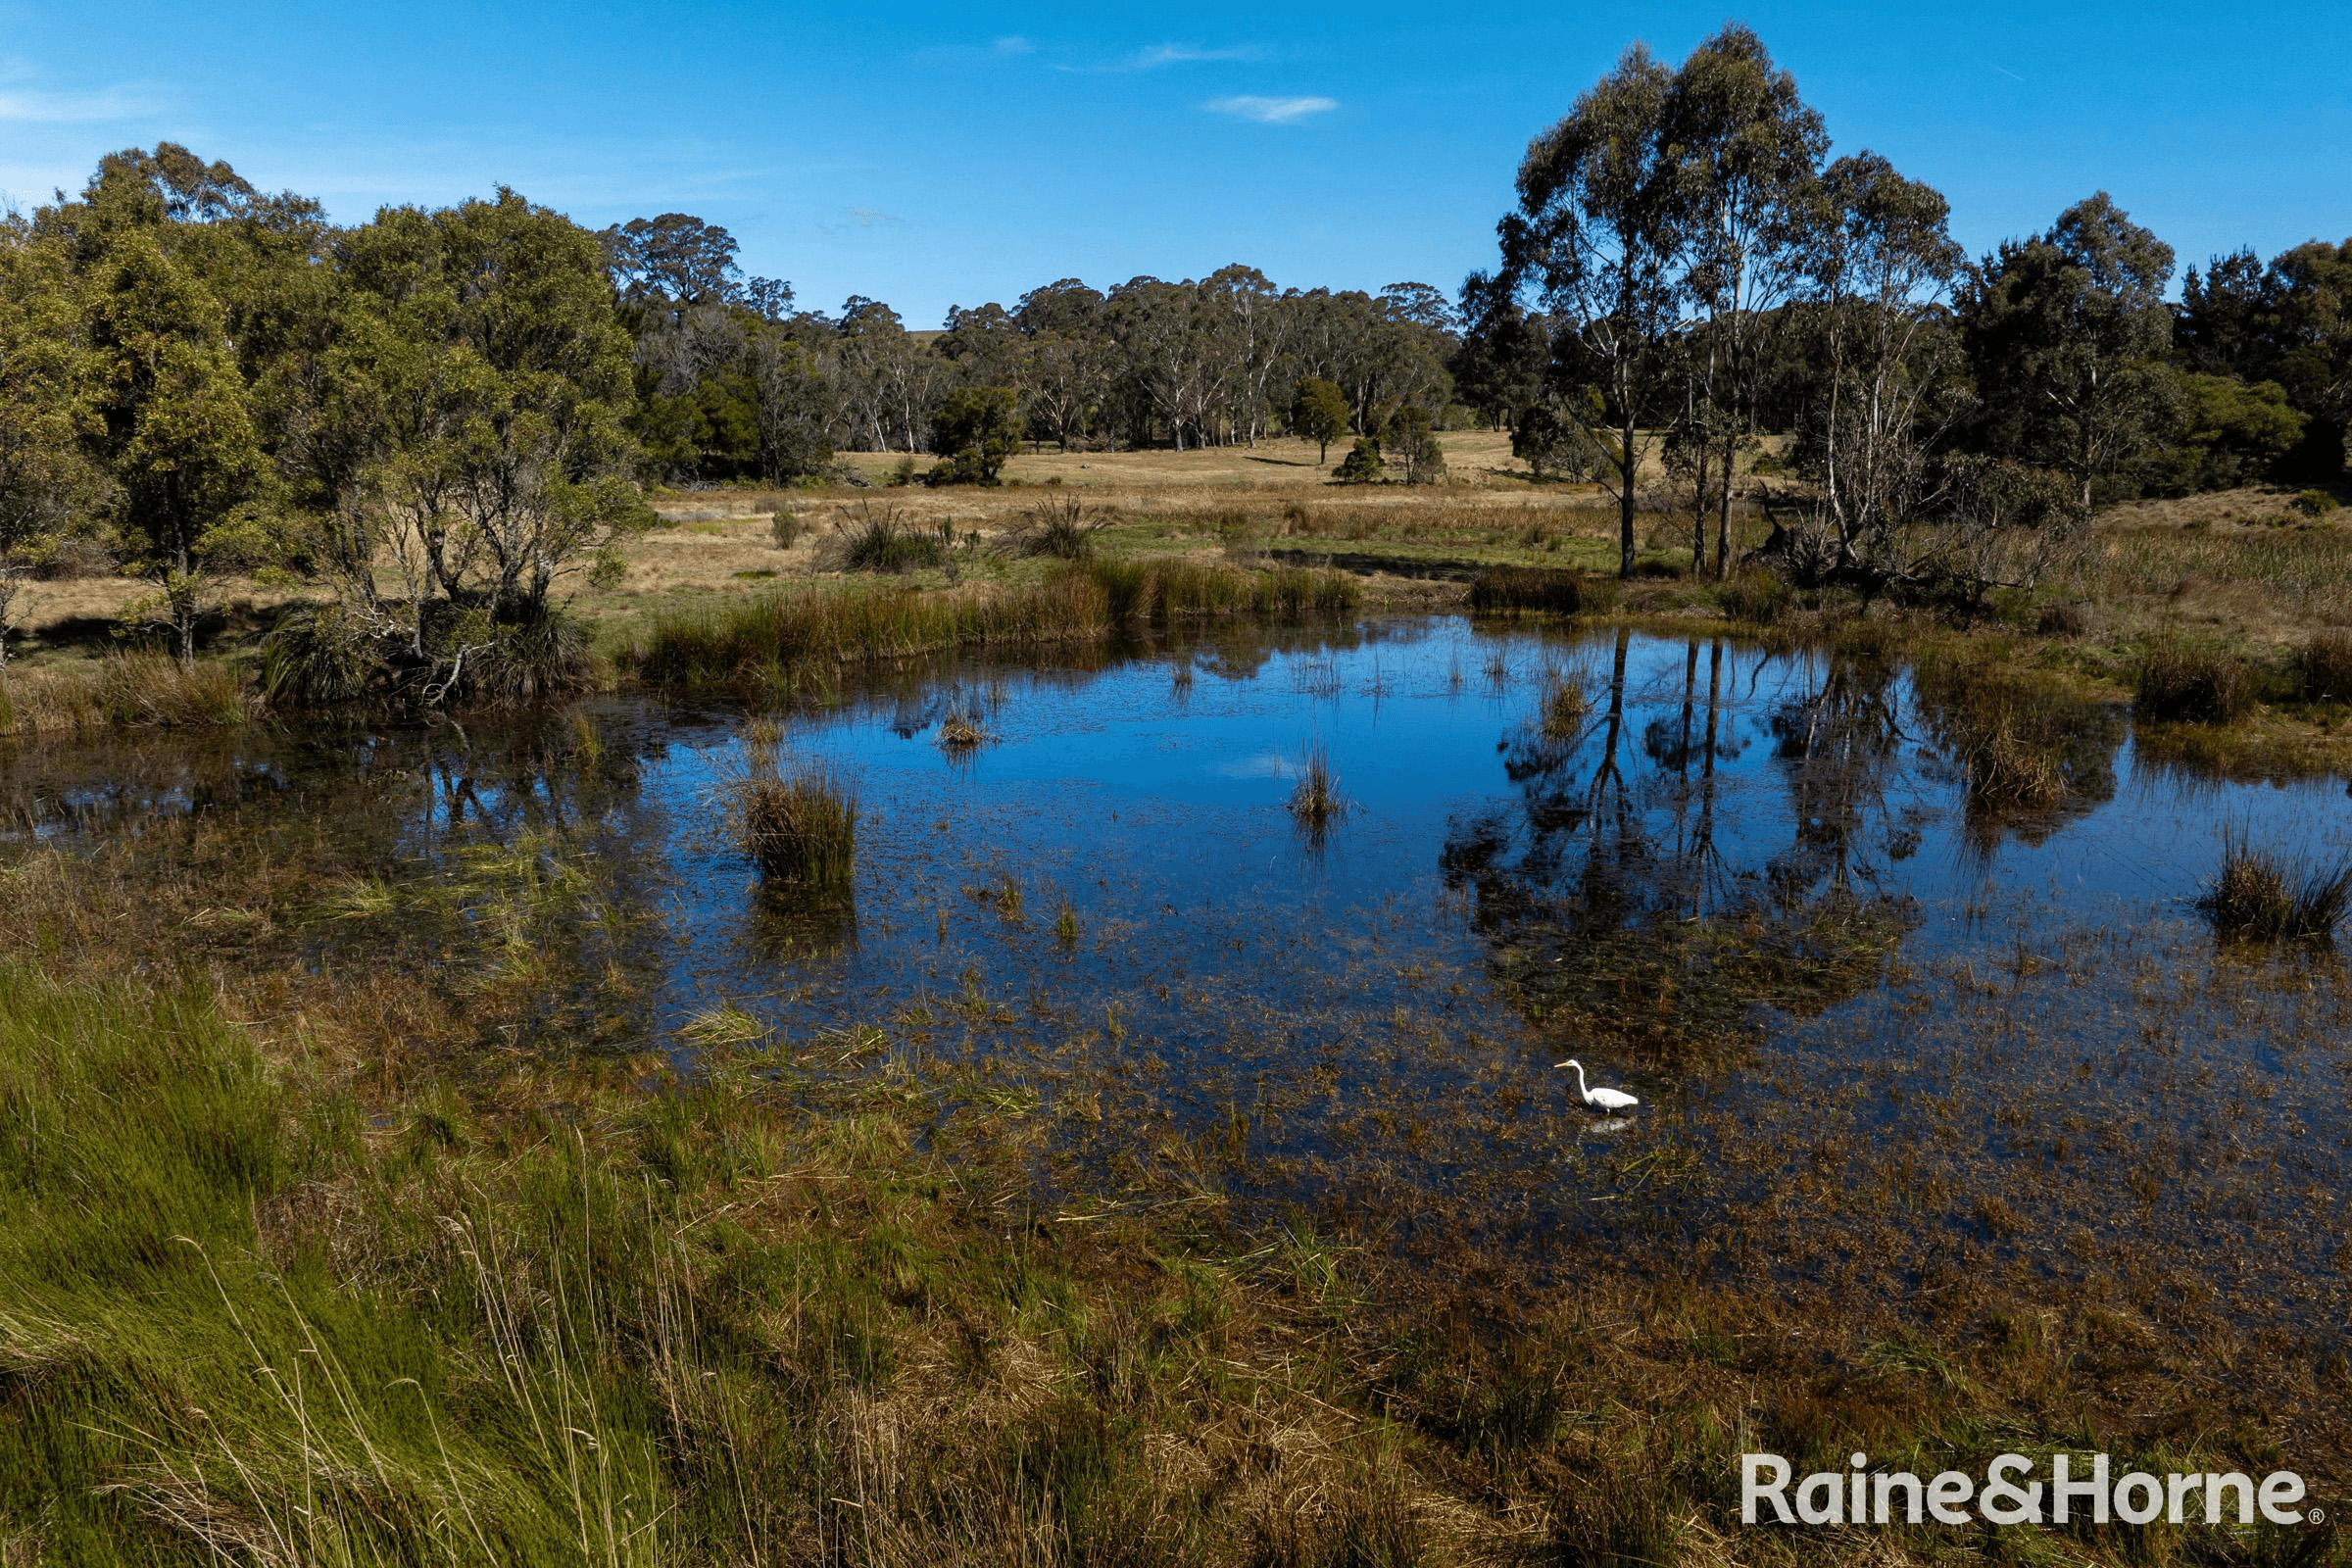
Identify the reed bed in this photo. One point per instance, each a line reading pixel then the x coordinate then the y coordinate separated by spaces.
pixel 772 636
pixel 1528 590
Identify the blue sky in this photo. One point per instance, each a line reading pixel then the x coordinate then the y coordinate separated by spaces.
pixel 930 155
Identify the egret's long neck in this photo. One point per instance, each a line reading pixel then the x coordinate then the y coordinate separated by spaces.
pixel 1581 1092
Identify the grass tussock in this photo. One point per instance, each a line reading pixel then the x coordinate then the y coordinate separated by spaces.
pixel 1758 596
pixel 2191 683
pixel 771 637
pixel 799 825
pixel 2323 668
pixel 879 541
pixel 1059 527
pixel 2258 897
pixel 1528 590
pixel 1315 798
pixel 1566 704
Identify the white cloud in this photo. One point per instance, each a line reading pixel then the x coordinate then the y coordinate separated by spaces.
pixel 1270 110
pixel 1185 54
pixel 1170 54
pixel 1014 45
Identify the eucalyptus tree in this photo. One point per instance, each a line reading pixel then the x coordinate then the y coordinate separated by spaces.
pixel 45 391
pixel 2066 334
pixel 1748 153
pixel 1885 390
pixel 1596 237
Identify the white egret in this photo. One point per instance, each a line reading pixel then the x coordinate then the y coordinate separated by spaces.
pixel 1611 1101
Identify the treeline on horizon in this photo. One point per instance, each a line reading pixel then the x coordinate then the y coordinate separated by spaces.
pixel 446 414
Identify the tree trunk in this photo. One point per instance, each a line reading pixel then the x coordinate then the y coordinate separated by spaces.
pixel 1629 462
pixel 1723 516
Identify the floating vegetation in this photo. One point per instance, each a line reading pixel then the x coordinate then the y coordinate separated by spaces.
pixel 1065 922
pixel 726 1025
pixel 959 732
pixel 1566 704
pixel 2259 897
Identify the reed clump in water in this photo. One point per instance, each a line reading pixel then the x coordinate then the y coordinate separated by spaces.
pixel 798 822
pixel 2258 897
pixel 1315 799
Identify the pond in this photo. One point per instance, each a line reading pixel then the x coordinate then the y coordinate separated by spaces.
pixel 1886 1032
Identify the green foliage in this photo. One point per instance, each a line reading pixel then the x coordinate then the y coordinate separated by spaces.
pixel 1414 439
pixel 2226 433
pixel 1552 447
pixel 1362 465
pixel 318 657
pixel 1319 414
pixel 2064 334
pixel 784 530
pixel 978 429
pixel 879 542
pixel 2314 504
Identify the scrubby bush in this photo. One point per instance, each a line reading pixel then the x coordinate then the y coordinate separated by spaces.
pixel 318 657
pixel 879 542
pixel 2314 503
pixel 785 529
pixel 1362 465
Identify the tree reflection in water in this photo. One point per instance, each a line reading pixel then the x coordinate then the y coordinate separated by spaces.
pixel 1641 895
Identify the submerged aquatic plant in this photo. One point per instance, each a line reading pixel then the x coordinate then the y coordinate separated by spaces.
pixel 2258 897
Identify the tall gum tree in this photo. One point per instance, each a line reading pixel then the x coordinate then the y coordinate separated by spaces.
pixel 1596 237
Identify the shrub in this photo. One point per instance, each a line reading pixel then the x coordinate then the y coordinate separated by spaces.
pixel 2323 668
pixel 519 661
pixel 2063 620
pixel 785 529
pixel 2181 682
pixel 2314 503
pixel 1513 590
pixel 979 428
pixel 1362 465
